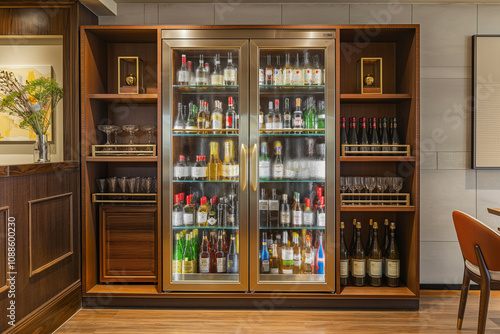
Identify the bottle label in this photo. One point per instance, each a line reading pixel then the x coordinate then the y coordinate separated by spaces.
pixel 263 205
pixel 264 168
pixel 358 268
pixel 297 122
pixel 274 205
pixel 188 219
pixel 212 221
pixel 269 75
pixel 285 218
pixel 344 266
pixel 235 171
pixel 297 218
pixel 297 260
pixel 287 257
pixel 275 271
pixel 261 120
pixel 204 265
pixel 321 219
pixel 308 258
pixel 180 172
pixel 265 267
pixel 308 77
pixel 317 77
pixel 217 79
pixel 392 268
pixel 232 263
pixel 187 267
pixel 201 80
pixel 278 171
pixel 216 124
pixel 177 218
pixel 221 265
pixel 199 172
pixel 287 79
pixel 308 218
pixel 177 266
pixel 321 116
pixel 269 125
pixel 183 76
pixel 230 219
pixel 227 171
pixel 375 268
pixel 229 122
pixel 277 77
pixel 287 117
pixel 201 218
pixel 230 75
pixel 261 76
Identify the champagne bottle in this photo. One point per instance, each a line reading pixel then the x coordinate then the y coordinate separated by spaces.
pixel 374 137
pixel 344 258
pixel 353 137
pixel 392 260
pixel 358 269
pixel 385 137
pixel 178 255
pixel 343 134
pixel 370 237
pixel 364 135
pixel 394 136
pixel 375 260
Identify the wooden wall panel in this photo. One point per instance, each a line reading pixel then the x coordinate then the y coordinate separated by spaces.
pixel 4 216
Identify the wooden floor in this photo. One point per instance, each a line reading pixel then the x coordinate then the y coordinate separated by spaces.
pixel 438 312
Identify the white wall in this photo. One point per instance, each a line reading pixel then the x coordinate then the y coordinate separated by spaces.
pixel 447 182
pixel 16 50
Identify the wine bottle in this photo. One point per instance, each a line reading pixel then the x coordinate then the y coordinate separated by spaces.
pixel 221 255
pixel 297 213
pixel 364 136
pixel 358 269
pixel 394 136
pixel 307 265
pixel 205 255
pixel 189 212
pixel 232 256
pixel 374 137
pixel 353 242
pixel 264 256
pixel 343 134
pixel 263 209
pixel 375 260
pixel 392 260
pixel 177 212
pixel 344 258
pixel 353 137
pixel 370 237
pixel 385 137
pixel 284 211
pixel 308 213
pixel 286 256
pixel 274 209
pixel 178 255
pixel 183 73
pixel 188 257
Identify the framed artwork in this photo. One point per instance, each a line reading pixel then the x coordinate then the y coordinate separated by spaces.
pixel 10 131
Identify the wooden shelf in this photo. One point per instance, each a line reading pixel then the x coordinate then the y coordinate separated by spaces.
pixel 362 98
pixel 371 291
pixel 124 98
pixel 124 289
pixel 121 159
pixel 375 208
pixel 377 159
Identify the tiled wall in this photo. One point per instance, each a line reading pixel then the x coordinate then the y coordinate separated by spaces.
pixel 447 182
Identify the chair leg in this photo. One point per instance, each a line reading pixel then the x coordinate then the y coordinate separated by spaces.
pixel 485 291
pixel 463 299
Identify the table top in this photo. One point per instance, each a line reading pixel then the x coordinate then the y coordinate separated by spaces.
pixel 494 211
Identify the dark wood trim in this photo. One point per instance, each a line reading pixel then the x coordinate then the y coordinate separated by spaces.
pixel 51 315
pixel 38 168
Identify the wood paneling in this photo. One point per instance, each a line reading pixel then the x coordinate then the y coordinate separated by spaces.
pixel 4 216
pixel 41 168
pixel 50 231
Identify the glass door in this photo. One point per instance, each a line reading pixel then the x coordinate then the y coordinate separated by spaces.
pixel 204 164
pixel 292 165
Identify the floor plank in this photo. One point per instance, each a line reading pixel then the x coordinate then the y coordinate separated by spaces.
pixel 438 312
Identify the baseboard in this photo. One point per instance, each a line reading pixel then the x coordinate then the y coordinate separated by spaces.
pixel 51 315
pixel 447 287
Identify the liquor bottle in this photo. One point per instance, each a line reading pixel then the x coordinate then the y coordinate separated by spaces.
pixel 317 76
pixel 363 138
pixel 287 116
pixel 207 73
pixel 286 256
pixel 319 193
pixel 200 74
pixel 380 127
pixel 270 116
pixel 228 164
pixel 212 216
pixel 268 73
pixel 261 76
pixel 225 243
pixel 181 171
pixel 177 212
pixel 213 260
pixel 277 73
pixel 220 255
pixel 274 209
pixel 343 134
pixel 353 137
pixel 231 117
pixel 387 235
pixel 263 209
pixel 297 254
pixel 264 256
pixel 216 118
pixel 358 256
pixel 297 212
pixel 232 256
pixel 264 163
pixel 232 208
pixel 394 135
pixel 199 169
pixel 321 116
pixel 277 123
pixel 284 211
pixel 319 164
pixel 230 72
pixel 214 166
pixel 207 116
pixel 188 257
pixel 178 255
pixel 204 257
pixel 202 213
pixel 307 265
pixel 183 73
pixel 287 71
pixel 344 258
pixel 375 260
pixel 188 212
pixel 310 114
pixel 370 237
pixel 201 117
pixel 374 137
pixel 392 261
pixel 391 122
pixel 298 122
pixel 217 77
pixel 191 118
pixel 320 257
pixel 308 213
pixel 308 71
pixel 277 165
pixel 385 137
pixel 191 76
pixel 179 123
pixel 298 73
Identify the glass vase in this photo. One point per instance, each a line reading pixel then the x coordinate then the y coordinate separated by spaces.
pixel 41 149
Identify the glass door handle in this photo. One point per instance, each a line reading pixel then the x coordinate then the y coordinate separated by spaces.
pixel 254 167
pixel 244 175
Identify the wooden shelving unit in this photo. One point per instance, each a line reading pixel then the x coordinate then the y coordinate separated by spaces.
pixel 124 98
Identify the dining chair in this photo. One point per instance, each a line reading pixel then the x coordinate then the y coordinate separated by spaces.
pixel 480 247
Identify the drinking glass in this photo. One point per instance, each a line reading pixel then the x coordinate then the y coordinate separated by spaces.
pixel 350 184
pixel 122 182
pixel 116 131
pixel 131 129
pixel 108 130
pixel 343 184
pixel 112 184
pixel 397 183
pixel 381 186
pixel 132 184
pixel 370 183
pixel 101 185
pixel 390 183
pixel 359 185
pixel 150 129
pixel 147 184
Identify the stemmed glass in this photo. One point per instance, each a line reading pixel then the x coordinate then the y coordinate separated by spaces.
pixel 397 183
pixel 350 183
pixel 381 185
pixel 131 129
pixel 370 183
pixel 359 184
pixel 343 184
pixel 116 130
pixel 150 129
pixel 108 130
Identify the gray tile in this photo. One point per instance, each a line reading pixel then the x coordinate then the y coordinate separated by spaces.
pixel 389 13
pixel 445 115
pixel 107 20
pixel 428 160
pixel 151 13
pixel 317 14
pixel 441 263
pixel 488 22
pixel 488 196
pixel 237 13
pixel 189 13
pixel 130 14
pixel 445 33
pixel 454 160
pixel 442 192
pixel 446 72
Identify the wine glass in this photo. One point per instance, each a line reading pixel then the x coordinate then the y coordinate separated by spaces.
pixel 343 184
pixel 397 183
pixel 350 184
pixel 122 182
pixel 101 185
pixel 381 186
pixel 359 184
pixel 150 129
pixel 131 129
pixel 370 183
pixel 116 131
pixel 108 130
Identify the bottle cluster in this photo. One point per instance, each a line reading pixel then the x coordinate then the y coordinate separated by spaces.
pixel 201 118
pixel 370 263
pixel 294 167
pixel 370 132
pixel 218 212
pixel 305 72
pixel 215 253
pixel 310 116
pixel 203 75
pixel 214 169
pixel 276 213
pixel 300 255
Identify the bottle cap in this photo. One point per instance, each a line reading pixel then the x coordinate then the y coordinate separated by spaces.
pixel 176 198
pixel 375 226
pixel 307 201
pixel 393 226
pixel 230 100
pixel 181 196
pixel 358 225
pixel 341 224
pixel 319 191
pixel 203 200
pixel 276 103
pixel 277 144
pixel 181 158
pixel 188 199
pixel 322 200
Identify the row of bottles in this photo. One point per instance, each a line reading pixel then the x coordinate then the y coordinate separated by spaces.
pixel 273 213
pixel 302 73
pixel 204 76
pixel 295 256
pixel 371 263
pixel 214 255
pixel 214 170
pixel 199 117
pixel 310 167
pixel 313 116
pixel 218 212
pixel 369 134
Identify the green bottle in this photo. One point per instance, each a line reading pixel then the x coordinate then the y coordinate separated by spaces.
pixel 310 114
pixel 178 254
pixel 321 115
pixel 188 257
pixel 264 163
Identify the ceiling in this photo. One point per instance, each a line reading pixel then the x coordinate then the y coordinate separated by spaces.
pixel 305 1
